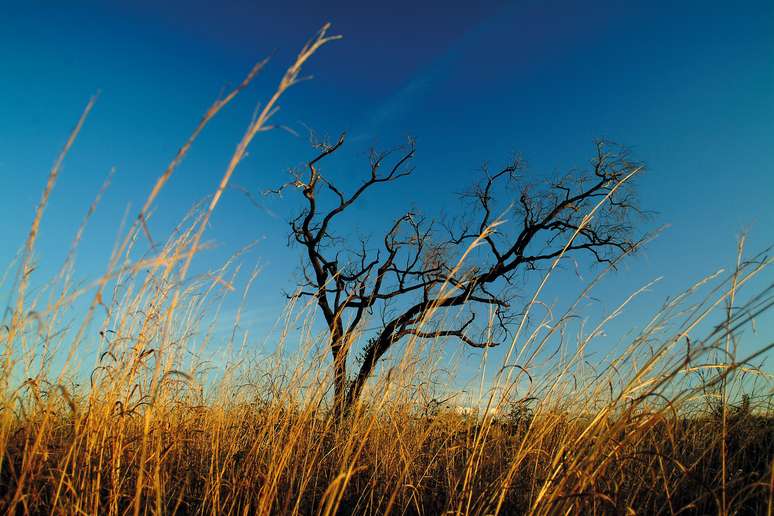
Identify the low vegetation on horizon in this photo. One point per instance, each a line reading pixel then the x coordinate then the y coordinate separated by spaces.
pixel 676 420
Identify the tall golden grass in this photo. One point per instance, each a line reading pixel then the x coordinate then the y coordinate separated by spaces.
pixel 675 421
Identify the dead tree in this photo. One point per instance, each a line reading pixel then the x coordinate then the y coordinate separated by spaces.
pixel 416 273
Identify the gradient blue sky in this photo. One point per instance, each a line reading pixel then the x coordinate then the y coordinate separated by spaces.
pixel 689 88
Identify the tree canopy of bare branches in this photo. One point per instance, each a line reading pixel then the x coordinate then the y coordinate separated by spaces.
pixel 424 267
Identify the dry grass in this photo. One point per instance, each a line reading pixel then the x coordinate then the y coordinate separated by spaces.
pixel 674 422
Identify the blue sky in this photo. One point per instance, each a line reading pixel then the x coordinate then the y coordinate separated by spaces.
pixel 689 88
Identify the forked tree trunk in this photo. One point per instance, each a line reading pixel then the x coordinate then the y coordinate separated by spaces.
pixel 346 393
pixel 372 356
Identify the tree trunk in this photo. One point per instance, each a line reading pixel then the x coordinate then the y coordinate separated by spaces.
pixel 353 393
pixel 339 381
pixel 378 348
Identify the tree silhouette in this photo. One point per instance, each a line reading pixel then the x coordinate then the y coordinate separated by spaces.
pixel 424 267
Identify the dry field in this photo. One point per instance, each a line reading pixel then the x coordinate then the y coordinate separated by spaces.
pixel 674 421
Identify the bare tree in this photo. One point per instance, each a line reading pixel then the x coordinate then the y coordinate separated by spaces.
pixel 424 267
